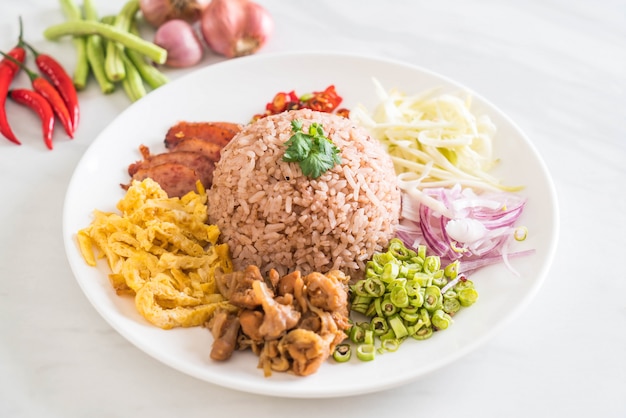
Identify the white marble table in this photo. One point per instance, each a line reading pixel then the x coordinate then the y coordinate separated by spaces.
pixel 558 68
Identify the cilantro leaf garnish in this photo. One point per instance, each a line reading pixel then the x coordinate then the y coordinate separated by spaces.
pixel 315 152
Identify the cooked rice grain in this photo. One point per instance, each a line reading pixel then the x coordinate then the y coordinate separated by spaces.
pixel 273 216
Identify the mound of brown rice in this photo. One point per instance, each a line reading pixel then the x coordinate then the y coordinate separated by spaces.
pixel 273 216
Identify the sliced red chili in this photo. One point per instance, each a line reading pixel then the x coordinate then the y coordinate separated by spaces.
pixel 323 101
pixel 39 104
pixel 282 102
pixel 61 80
pixel 343 112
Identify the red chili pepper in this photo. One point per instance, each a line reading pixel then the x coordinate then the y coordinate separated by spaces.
pixel 39 104
pixel 8 70
pixel 47 90
pixel 61 80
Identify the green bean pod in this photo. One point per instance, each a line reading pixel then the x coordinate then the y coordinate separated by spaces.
pixel 114 64
pixel 81 28
pixel 81 70
pixel 95 51
pixel 132 83
pixel 151 75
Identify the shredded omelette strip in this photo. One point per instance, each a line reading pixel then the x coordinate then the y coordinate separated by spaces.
pixel 162 251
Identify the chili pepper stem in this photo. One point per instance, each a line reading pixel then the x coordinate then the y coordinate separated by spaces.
pixel 31 74
pixel 20 38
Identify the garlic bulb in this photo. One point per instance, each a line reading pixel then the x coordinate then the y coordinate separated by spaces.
pixel 235 27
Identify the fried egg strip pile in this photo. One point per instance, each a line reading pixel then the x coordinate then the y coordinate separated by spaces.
pixel 162 251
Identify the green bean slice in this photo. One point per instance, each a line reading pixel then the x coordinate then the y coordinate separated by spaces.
pixel 342 353
pixel 366 352
pixel 441 320
pixel 432 298
pixel 451 305
pixel 379 326
pixel 467 297
pixel 423 333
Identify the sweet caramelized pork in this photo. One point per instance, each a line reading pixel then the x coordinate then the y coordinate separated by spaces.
pixel 277 318
pixel 201 165
pixel 306 349
pixel 216 132
pixel 193 150
pixel 210 150
pixel 225 329
pixel 238 288
pixel 295 322
pixel 175 179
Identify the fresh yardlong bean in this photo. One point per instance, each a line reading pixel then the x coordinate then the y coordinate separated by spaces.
pixel 132 83
pixel 114 64
pixel 95 51
pixel 81 70
pixel 150 74
pixel 83 27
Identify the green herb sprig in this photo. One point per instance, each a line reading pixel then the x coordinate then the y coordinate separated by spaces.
pixel 315 152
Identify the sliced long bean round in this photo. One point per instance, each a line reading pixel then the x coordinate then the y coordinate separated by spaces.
pixel 406 294
pixel 342 353
pixel 81 28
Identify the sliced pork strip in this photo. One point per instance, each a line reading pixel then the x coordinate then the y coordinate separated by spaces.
pixel 202 165
pixel 216 132
pixel 209 149
pixel 175 179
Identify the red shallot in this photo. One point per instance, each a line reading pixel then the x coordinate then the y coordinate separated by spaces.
pixel 181 42
pixel 157 12
pixel 235 28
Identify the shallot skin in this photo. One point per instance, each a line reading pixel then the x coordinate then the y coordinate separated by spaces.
pixel 235 28
pixel 183 45
pixel 157 12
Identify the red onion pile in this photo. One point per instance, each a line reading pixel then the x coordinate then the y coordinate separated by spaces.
pixel 457 224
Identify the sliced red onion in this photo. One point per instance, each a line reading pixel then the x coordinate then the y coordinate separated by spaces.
pixel 469 266
pixel 458 224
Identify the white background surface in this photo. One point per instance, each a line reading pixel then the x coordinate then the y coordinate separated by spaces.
pixel 558 68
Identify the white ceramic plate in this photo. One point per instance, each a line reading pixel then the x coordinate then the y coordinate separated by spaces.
pixel 234 91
